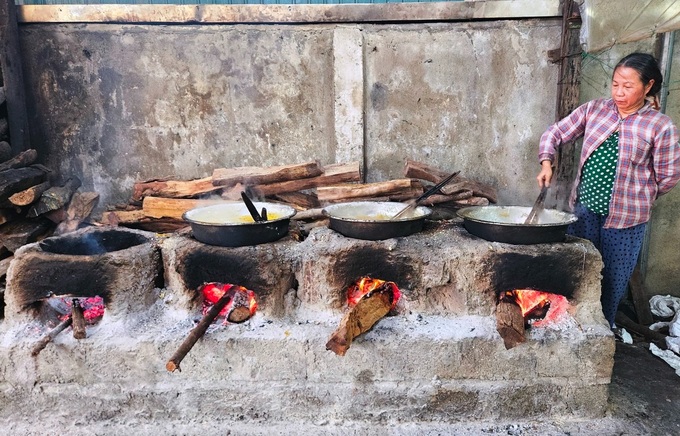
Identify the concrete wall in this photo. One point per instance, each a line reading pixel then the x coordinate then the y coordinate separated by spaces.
pixel 115 103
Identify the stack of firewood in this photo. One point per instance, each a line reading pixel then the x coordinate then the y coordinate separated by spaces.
pixel 31 208
pixel 158 205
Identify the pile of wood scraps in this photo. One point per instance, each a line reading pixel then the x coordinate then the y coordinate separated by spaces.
pixel 158 205
pixel 33 208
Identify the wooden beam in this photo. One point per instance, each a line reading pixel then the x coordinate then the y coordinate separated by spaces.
pixel 568 94
pixel 13 77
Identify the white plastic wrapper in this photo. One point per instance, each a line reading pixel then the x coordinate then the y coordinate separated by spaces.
pixel 668 356
pixel 607 22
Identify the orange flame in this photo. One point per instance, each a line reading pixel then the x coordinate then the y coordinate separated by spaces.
pixel 213 291
pixel 530 300
pixel 366 285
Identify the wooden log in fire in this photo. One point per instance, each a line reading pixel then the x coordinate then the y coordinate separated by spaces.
pixel 78 317
pixel 197 332
pixel 359 319
pixel 49 337
pixel 510 324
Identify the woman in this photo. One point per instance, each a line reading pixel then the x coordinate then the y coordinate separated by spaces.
pixel 630 156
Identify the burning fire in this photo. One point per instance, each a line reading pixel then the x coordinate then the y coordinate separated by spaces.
pixel 213 291
pixel 93 308
pixel 366 285
pixel 538 308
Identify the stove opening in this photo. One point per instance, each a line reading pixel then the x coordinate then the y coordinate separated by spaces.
pixel 368 301
pixel 521 309
pixel 75 312
pixel 233 302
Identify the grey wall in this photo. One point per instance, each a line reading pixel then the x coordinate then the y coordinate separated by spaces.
pixel 115 103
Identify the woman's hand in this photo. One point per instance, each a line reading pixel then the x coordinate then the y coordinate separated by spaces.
pixel 545 175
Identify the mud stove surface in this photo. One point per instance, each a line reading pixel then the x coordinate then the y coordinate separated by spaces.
pixel 438 357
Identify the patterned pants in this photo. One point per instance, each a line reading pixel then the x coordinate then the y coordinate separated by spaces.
pixel 620 249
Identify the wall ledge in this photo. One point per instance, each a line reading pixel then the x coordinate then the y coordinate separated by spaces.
pixel 308 13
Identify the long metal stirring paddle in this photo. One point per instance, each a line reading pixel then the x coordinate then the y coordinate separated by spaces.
pixel 427 193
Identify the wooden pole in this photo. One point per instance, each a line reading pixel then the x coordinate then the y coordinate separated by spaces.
pixel 13 77
pixel 197 332
pixel 568 93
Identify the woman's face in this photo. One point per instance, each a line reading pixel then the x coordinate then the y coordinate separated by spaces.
pixel 628 90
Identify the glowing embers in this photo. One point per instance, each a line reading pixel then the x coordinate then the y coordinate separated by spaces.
pixel 369 300
pixel 523 308
pixel 235 303
pixel 240 307
pixel 72 312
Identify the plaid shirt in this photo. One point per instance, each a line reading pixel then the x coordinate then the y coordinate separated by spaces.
pixel 649 155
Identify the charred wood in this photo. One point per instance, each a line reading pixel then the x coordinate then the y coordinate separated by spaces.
pixel 359 319
pixel 78 317
pixel 4 266
pixel 23 159
pixel 49 337
pixel 197 332
pixel 510 324
pixel 19 233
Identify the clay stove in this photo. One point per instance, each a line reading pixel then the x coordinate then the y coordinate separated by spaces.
pixel 439 358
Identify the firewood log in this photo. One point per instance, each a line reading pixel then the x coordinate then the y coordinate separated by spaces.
pixel 173 188
pixel 18 179
pixel 23 159
pixel 359 319
pixel 54 198
pixel 332 174
pixel 22 232
pixel 263 175
pixel 299 199
pixel 157 207
pixel 352 191
pixel 79 209
pixel 49 337
pixel 30 195
pixel 419 170
pixel 510 324
pixel 78 317
pixel 137 219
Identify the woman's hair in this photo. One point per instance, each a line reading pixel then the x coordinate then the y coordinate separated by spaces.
pixel 647 68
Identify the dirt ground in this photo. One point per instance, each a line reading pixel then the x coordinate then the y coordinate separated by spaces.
pixel 645 390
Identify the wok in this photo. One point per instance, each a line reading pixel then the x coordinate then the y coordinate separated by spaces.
pixel 372 220
pixel 506 224
pixel 231 225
